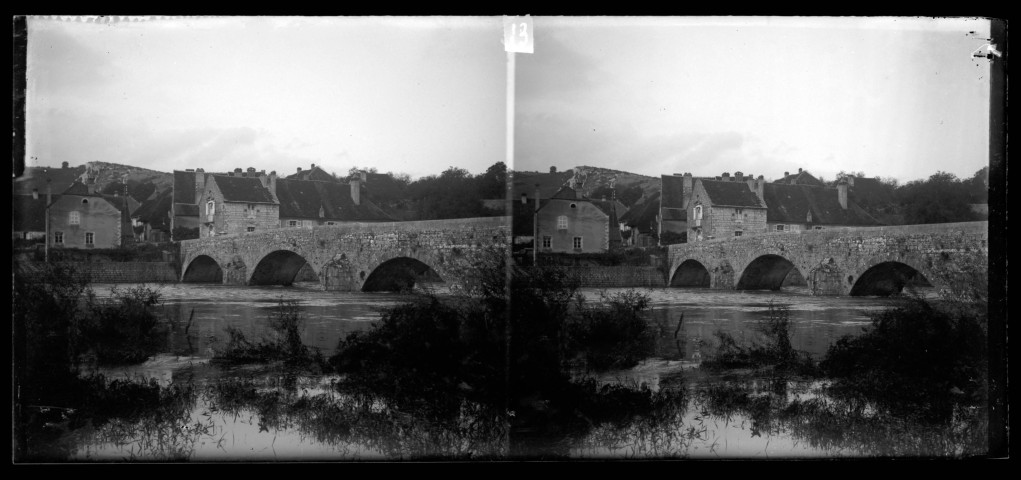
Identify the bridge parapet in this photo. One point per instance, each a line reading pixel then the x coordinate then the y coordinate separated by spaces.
pixel 344 256
pixel 952 257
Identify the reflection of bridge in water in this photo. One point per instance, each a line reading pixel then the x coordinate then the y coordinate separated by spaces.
pixel 349 257
pixel 842 261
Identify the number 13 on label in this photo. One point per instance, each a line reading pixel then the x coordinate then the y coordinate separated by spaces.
pixel 518 35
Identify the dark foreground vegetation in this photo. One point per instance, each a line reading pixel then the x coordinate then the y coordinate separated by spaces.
pixel 474 375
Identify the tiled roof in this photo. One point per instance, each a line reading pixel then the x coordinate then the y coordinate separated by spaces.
pixel 35 177
pixel 186 210
pixel 800 178
pixel 673 191
pixel 549 183
pixel 184 187
pixel 676 214
pixel 566 193
pixel 304 198
pixel 315 173
pixel 643 215
pixel 792 203
pixel 242 189
pixel 28 214
pixel 78 188
pixel 731 194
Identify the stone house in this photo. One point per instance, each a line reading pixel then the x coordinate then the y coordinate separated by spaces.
pixel 151 221
pixel 310 203
pixel 673 203
pixel 796 207
pixel 726 208
pixel 237 203
pixel 82 218
pixel 568 224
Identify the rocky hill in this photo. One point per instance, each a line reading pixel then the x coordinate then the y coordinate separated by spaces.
pixel 589 179
pixel 105 174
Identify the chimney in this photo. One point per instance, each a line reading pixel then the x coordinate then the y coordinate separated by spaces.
pixel 786 174
pixel 313 166
pixel 687 188
pixel 536 198
pixel 726 176
pixel 35 194
pixel 63 164
pixel 356 191
pixel 364 176
pixel 524 199
pixel 738 177
pixel 273 183
pixel 799 169
pixel 553 169
pixel 189 169
pixel 850 181
pixel 299 169
pixel 842 193
pixel 251 169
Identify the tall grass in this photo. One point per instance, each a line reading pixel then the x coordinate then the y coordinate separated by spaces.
pixel 284 343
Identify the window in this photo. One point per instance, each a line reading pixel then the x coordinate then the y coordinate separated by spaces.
pixel 547 241
pixel 818 228
pixel 74 218
pixel 562 222
pixel 331 223
pixel 90 238
pixel 58 237
pixel 85 201
pixel 292 223
pixel 250 229
pixel 737 233
pixel 210 208
pixel 574 205
pixel 780 228
pixel 577 243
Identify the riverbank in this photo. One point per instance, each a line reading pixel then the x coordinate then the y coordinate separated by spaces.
pixel 111 272
pixel 622 276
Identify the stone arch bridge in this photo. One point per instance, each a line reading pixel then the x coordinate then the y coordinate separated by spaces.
pixel 953 257
pixel 349 257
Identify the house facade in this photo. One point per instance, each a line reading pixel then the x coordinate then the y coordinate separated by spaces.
pixel 725 208
pixel 311 203
pixel 81 218
pixel 28 216
pixel 233 204
pixel 797 207
pixel 568 224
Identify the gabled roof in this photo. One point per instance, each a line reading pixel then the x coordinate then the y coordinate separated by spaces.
pixel 314 173
pixel 184 187
pixel 78 188
pixel 35 177
pixel 186 210
pixel 549 183
pixel 792 203
pixel 305 199
pixel 242 189
pixel 29 214
pixel 154 211
pixel 566 193
pixel 673 191
pixel 731 194
pixel 642 216
pixel 800 178
pixel 675 214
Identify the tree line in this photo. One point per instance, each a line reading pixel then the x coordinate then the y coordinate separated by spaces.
pixel 941 198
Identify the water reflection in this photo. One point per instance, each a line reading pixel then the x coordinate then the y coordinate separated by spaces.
pixel 265 412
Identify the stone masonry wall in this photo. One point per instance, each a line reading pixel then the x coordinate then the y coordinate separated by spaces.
pixel 953 257
pixel 117 272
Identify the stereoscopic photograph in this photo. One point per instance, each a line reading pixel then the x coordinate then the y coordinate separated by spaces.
pixel 507 238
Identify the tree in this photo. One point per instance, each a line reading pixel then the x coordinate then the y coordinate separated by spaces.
pixel 940 199
pixel 493 183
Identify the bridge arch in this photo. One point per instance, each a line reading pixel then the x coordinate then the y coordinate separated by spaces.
pixel 280 267
pixel 399 273
pixel 886 278
pixel 766 272
pixel 690 273
pixel 202 269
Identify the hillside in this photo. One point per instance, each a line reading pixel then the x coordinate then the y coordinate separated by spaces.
pixel 588 179
pixel 105 173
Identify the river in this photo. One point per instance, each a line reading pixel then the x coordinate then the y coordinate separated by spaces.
pixel 210 429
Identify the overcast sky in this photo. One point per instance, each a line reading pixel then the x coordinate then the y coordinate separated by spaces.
pixel 411 95
pixel 893 97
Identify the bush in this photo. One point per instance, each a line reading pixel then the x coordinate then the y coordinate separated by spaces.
pixel 613 335
pixel 285 323
pixel 775 351
pixel 919 350
pixel 125 329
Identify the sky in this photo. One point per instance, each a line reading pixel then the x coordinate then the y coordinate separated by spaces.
pixel 401 94
pixel 895 97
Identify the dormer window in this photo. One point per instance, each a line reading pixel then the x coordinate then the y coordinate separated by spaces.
pixel 85 201
pixel 574 205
